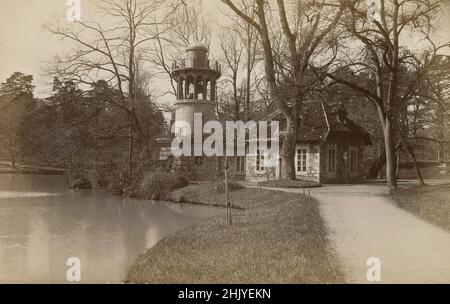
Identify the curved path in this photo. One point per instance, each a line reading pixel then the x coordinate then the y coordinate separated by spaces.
pixel 364 224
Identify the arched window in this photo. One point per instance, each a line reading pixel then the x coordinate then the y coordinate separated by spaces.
pixel 199 88
pixel 191 87
pixel 208 90
pixel 180 93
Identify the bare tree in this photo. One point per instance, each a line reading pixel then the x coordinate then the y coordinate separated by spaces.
pixel 304 27
pixel 109 51
pixel 232 50
pixel 435 90
pixel 186 25
pixel 384 52
pixel 248 42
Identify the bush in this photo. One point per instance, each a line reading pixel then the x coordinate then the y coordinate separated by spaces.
pixel 158 185
pixel 232 186
pixel 78 180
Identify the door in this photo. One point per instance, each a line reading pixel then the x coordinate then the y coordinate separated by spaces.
pixel 353 162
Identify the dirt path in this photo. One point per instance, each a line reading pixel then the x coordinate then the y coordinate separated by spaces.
pixel 363 224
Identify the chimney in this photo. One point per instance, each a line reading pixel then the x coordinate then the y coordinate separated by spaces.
pixel 340 112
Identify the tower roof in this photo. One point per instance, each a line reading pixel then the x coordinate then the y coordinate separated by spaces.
pixel 197 62
pixel 197 46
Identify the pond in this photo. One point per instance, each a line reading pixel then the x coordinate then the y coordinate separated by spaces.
pixel 43 224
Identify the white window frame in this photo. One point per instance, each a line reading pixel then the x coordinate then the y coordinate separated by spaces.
pixel 259 165
pixel 305 152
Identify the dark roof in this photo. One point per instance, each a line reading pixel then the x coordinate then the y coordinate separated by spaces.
pixel 339 122
pixel 321 122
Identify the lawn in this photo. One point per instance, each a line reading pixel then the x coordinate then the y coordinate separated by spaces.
pixel 431 203
pixel 276 238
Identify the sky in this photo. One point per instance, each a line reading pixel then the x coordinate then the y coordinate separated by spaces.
pixel 27 47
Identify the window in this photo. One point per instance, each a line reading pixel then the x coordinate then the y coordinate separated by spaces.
pixel 353 160
pixel 332 159
pixel 240 164
pixel 302 154
pixel 259 161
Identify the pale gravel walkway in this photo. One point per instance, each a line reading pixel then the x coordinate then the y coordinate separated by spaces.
pixel 363 224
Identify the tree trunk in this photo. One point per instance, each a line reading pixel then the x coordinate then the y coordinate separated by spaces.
pixel 441 135
pixel 288 149
pixel 13 158
pixel 391 168
pixel 377 166
pixel 227 194
pixel 235 96
pixel 12 152
pixel 130 144
pixel 131 97
pixel 397 164
pixel 247 93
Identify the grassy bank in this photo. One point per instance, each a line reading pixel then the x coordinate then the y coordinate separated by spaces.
pixel 290 184
pixel 7 168
pixel 431 203
pixel 275 239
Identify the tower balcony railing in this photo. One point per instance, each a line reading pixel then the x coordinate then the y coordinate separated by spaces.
pixel 196 64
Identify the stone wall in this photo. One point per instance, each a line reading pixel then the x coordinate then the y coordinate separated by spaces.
pixel 185 110
pixel 316 165
pixel 254 175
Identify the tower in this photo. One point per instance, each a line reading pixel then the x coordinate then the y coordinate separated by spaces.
pixel 196 81
pixel 196 85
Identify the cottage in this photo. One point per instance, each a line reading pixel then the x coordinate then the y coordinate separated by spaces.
pixel 329 148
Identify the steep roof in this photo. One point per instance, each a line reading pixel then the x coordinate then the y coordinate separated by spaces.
pixel 339 122
pixel 320 122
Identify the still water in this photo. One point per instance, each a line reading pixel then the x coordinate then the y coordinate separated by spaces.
pixel 42 225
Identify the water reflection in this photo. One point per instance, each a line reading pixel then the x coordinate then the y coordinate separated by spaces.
pixel 44 224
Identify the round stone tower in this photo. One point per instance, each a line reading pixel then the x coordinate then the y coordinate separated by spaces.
pixel 196 85
pixel 196 79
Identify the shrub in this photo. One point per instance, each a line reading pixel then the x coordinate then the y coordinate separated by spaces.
pixel 232 186
pixel 157 185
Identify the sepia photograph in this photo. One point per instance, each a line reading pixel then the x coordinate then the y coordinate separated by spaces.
pixel 212 143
